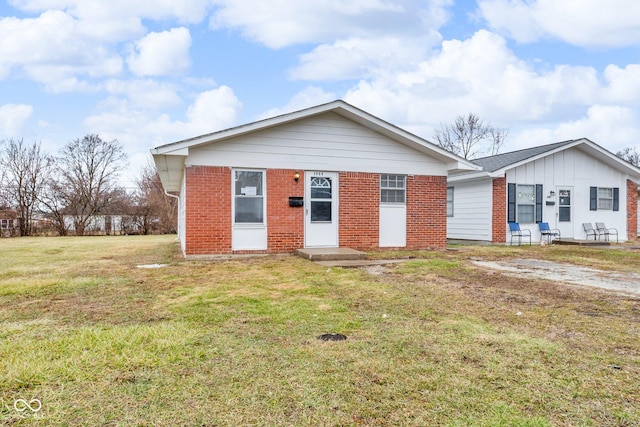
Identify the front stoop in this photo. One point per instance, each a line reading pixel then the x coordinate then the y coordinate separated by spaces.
pixel 330 254
pixel 575 242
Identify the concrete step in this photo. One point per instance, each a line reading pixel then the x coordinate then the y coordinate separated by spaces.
pixel 330 254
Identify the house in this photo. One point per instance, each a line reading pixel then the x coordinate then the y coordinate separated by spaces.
pixel 565 184
pixel 327 176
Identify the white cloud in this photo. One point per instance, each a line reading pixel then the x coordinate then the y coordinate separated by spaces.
pixel 144 93
pixel 362 58
pixel 288 22
pixel 164 53
pixel 141 129
pixel 586 23
pixel 309 97
pixel 13 118
pixel 612 127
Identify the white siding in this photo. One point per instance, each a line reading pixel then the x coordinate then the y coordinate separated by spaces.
pixel 326 142
pixel 471 218
pixel 573 168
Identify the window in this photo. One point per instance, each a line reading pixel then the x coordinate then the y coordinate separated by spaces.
pixel 321 199
pixel 526 203
pixel 392 189
pixel 449 201
pixel 248 197
pixel 605 198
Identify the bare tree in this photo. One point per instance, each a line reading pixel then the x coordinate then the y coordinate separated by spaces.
pixel 26 169
pixel 87 172
pixel 469 137
pixel 631 155
pixel 155 212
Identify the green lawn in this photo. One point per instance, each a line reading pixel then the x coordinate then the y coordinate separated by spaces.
pixel 431 341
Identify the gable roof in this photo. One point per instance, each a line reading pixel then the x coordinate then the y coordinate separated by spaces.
pixel 504 160
pixel 170 158
pixel 497 165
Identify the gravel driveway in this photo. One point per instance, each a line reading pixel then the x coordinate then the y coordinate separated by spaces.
pixel 624 282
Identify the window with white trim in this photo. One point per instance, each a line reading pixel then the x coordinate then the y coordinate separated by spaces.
pixel 605 198
pixel 248 197
pixel 526 203
pixel 449 201
pixel 393 189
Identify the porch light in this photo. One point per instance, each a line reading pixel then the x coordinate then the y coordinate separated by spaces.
pixel 552 194
pixel 296 176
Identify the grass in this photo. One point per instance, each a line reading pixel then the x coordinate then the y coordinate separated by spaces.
pixel 431 341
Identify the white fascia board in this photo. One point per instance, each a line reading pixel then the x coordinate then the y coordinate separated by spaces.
pixel 171 171
pixel 462 177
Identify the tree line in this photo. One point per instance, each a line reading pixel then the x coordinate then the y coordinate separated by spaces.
pixel 71 189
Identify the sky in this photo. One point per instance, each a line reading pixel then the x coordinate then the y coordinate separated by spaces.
pixel 152 72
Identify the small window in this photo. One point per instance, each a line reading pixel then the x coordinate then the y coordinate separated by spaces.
pixel 605 198
pixel 449 201
pixel 248 197
pixel 526 203
pixel 392 189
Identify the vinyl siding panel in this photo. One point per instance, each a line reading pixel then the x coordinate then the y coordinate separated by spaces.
pixel 576 169
pixel 325 142
pixel 471 218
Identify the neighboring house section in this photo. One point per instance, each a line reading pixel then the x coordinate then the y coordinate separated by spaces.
pixel 565 184
pixel 328 176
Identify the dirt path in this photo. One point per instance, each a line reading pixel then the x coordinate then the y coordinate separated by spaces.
pixel 628 283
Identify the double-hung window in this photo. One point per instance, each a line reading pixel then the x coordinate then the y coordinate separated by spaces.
pixel 604 198
pixel 526 203
pixel 248 197
pixel 393 189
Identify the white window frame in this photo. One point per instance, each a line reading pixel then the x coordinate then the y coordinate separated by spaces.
pixel 605 203
pixel 385 186
pixel 519 200
pixel 262 196
pixel 450 192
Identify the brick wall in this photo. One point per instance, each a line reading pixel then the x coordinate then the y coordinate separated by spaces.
pixel 208 228
pixel 499 211
pixel 359 206
pixel 285 224
pixel 208 210
pixel 632 210
pixel 426 212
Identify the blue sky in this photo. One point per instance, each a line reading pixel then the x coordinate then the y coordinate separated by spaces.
pixel 150 72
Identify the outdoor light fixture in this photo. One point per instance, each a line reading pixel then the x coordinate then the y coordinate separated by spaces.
pixel 296 176
pixel 552 194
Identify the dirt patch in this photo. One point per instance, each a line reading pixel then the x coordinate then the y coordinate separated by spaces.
pixel 623 282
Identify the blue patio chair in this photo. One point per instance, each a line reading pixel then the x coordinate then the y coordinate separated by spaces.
pixel 606 232
pixel 548 233
pixel 590 231
pixel 515 230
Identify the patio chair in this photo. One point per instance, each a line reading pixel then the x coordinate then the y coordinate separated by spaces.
pixel 515 230
pixel 590 231
pixel 606 232
pixel 548 233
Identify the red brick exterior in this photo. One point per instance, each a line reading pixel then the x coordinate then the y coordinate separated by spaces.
pixel 208 229
pixel 632 210
pixel 499 211
pixel 285 224
pixel 426 212
pixel 359 206
pixel 208 210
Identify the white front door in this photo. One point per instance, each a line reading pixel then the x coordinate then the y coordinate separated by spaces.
pixel 564 214
pixel 321 209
